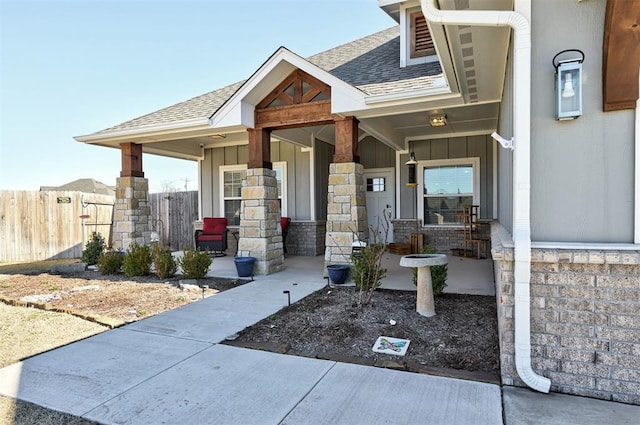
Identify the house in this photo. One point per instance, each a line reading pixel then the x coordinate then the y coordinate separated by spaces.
pixel 469 89
pixel 84 185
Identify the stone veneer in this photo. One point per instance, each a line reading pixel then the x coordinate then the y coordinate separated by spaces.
pixel 260 234
pixel 442 238
pixel 346 211
pixel 132 213
pixel 585 318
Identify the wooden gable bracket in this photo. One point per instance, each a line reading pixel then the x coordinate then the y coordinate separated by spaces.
pixel 621 55
pixel 300 100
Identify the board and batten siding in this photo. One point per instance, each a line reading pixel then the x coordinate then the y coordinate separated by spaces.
pixel 298 176
pixel 451 148
pixel 375 154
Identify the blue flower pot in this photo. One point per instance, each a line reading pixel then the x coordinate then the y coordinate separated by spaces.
pixel 338 273
pixel 244 266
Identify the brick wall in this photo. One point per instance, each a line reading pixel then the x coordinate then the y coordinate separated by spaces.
pixel 442 238
pixel 306 238
pixel 585 319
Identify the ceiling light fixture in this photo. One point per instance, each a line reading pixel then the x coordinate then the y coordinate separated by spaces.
pixel 437 120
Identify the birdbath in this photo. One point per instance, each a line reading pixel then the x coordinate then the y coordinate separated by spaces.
pixel 423 262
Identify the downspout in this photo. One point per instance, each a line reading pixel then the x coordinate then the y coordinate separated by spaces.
pixel 521 168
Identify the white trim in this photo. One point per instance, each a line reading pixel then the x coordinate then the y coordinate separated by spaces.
pixel 475 163
pixel 636 212
pixel 583 246
pixel 495 180
pixel 236 167
pixel 194 124
pixel 239 109
pixel 284 189
pixel 398 188
pixel 312 179
pixel 446 135
pixel 221 170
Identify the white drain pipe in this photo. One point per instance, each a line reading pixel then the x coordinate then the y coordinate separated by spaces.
pixel 521 168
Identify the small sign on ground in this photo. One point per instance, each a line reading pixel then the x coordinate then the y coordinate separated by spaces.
pixel 389 345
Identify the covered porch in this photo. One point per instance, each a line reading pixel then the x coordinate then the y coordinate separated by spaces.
pixel 465 275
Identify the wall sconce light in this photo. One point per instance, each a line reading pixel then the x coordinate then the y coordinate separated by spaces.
pixel 437 120
pixel 411 163
pixel 568 86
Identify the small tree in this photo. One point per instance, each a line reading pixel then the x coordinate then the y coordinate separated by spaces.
pixel 95 247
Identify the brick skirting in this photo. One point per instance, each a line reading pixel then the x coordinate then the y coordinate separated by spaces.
pixel 585 318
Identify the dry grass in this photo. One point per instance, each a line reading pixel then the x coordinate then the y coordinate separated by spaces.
pixel 25 332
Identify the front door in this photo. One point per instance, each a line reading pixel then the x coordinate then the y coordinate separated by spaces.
pixel 380 183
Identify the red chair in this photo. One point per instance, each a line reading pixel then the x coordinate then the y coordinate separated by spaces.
pixel 213 236
pixel 284 224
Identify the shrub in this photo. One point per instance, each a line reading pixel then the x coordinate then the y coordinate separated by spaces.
pixel 110 262
pixel 137 260
pixel 438 273
pixel 163 262
pixel 195 264
pixel 93 249
pixel 367 267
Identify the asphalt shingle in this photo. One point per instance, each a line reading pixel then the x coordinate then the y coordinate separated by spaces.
pixel 371 64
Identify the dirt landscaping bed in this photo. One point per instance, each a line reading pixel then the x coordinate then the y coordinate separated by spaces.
pixel 108 299
pixel 461 340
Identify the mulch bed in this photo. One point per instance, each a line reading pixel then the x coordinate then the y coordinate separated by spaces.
pixel 460 341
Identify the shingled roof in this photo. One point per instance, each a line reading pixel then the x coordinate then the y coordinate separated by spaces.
pixel 84 185
pixel 371 64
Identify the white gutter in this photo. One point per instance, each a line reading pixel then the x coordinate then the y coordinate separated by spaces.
pixel 636 232
pixel 521 168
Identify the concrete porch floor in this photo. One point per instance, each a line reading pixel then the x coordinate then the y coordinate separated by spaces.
pixel 465 275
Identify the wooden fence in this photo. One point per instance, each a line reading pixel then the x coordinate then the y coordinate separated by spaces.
pixel 50 224
pixel 57 224
pixel 172 216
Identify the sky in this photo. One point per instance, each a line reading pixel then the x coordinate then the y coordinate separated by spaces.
pixel 70 68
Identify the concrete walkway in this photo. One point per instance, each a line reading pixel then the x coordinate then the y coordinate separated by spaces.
pixel 170 369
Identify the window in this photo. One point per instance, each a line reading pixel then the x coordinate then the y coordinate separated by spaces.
pixel 446 186
pixel 231 190
pixel 419 36
pixel 376 184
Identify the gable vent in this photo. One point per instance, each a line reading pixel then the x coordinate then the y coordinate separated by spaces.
pixel 421 42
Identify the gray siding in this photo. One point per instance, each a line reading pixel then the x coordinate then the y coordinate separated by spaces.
pixel 582 170
pixel 505 156
pixel 298 176
pixel 374 154
pixel 457 147
pixel 323 157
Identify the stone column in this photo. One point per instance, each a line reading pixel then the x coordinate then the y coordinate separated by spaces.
pixel 260 235
pixel 346 211
pixel 132 213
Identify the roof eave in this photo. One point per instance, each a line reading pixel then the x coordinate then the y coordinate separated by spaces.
pixel 148 132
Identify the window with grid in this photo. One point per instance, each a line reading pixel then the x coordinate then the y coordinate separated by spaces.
pixel 231 178
pixel 446 188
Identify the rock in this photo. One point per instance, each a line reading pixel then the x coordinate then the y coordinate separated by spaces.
pixel 85 288
pixel 43 298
